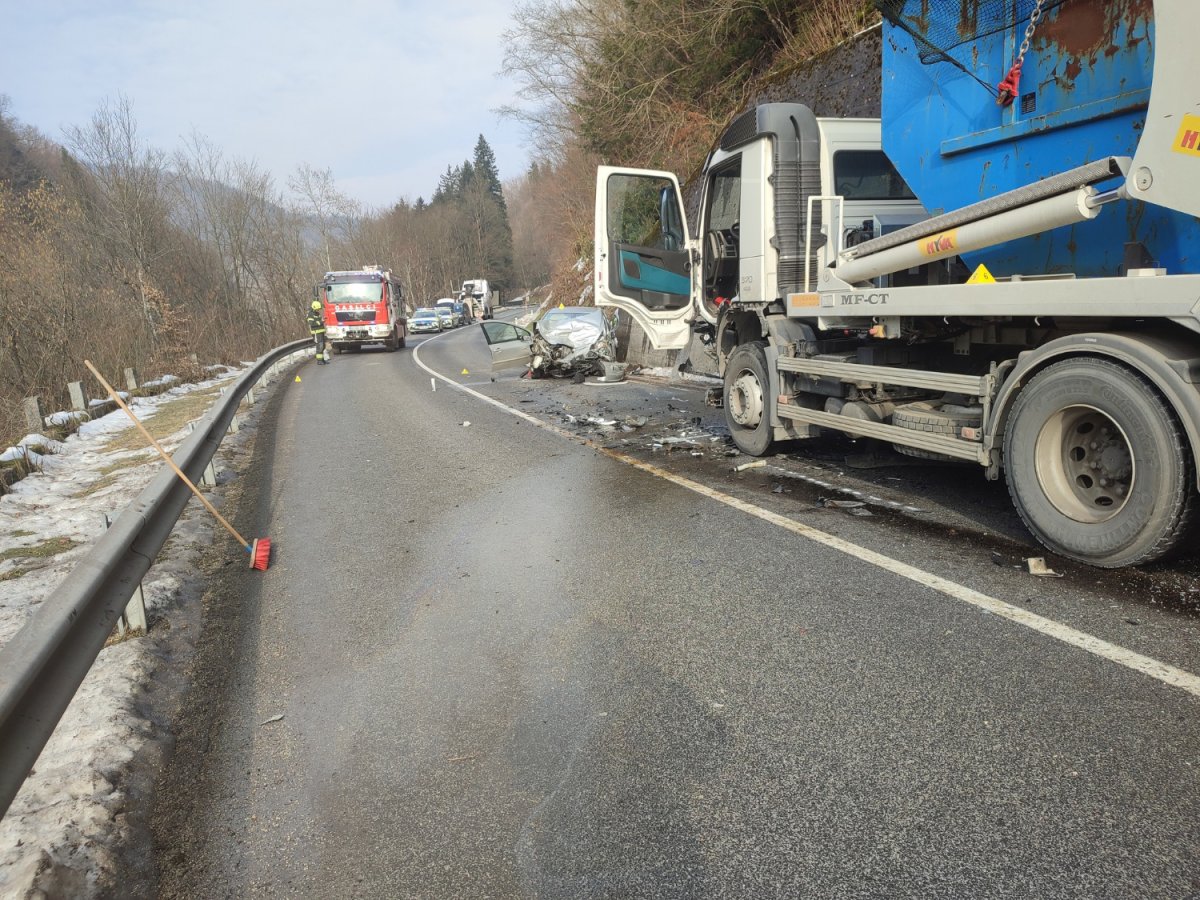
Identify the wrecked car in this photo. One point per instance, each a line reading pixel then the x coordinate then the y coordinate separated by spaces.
pixel 564 342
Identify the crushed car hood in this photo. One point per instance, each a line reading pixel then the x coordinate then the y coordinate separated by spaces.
pixel 572 338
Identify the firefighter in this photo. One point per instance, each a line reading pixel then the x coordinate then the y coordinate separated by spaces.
pixel 316 327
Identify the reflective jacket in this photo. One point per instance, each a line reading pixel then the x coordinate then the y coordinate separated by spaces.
pixel 316 322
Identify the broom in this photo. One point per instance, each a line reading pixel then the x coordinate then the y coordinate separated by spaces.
pixel 259 549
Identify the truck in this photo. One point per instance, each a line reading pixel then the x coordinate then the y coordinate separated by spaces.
pixel 363 306
pixel 1001 269
pixel 481 299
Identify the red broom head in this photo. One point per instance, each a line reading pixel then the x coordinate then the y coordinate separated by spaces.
pixel 260 554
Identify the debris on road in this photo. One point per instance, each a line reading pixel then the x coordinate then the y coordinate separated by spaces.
pixel 278 718
pixel 754 464
pixel 840 504
pixel 1036 565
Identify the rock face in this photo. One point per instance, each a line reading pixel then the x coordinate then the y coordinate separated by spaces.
pixel 844 82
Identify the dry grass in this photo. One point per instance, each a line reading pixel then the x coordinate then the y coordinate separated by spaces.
pixel 822 29
pixel 12 574
pixel 167 419
pixel 42 550
pixel 130 634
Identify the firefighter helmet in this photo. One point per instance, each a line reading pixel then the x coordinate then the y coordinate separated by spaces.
pixel 316 304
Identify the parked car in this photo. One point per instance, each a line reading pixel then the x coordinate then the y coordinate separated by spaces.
pixel 446 316
pixel 447 305
pixel 424 319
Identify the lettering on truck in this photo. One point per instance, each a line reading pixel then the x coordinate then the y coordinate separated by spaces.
pixel 1188 139
pixel 873 299
pixel 946 242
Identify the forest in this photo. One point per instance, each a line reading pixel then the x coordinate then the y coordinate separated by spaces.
pixel 171 260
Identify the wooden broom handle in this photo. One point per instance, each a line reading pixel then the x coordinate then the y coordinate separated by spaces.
pixel 163 453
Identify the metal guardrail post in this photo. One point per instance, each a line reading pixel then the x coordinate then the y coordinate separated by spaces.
pixel 43 664
pixel 35 419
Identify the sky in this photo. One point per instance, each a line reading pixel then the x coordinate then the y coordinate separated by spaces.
pixel 385 93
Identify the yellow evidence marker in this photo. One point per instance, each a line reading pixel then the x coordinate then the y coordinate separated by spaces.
pixel 465 372
pixel 297 379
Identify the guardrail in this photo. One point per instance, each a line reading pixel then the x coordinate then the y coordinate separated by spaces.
pixel 43 664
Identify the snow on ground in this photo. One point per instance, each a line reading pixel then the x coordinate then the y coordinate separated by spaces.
pixel 61 835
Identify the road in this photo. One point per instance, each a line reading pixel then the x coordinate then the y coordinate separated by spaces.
pixel 586 660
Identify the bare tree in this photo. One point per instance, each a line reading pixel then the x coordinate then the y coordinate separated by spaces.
pixel 129 211
pixel 334 211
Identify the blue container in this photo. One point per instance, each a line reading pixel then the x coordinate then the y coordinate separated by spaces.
pixel 1083 93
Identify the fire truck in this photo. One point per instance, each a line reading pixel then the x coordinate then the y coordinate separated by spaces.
pixel 363 307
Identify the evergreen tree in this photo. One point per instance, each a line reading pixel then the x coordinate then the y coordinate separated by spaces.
pixel 485 168
pixel 449 185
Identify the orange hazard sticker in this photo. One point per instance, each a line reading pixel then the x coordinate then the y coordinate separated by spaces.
pixel 1188 138
pixel 939 244
pixel 804 299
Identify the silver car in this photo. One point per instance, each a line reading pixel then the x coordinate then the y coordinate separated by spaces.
pixel 424 319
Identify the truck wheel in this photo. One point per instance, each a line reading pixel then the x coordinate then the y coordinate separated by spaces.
pixel 1098 466
pixel 747 397
pixel 392 344
pixel 403 341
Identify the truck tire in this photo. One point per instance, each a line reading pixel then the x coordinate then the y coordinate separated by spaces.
pixel 747 399
pixel 934 417
pixel 1098 465
pixel 403 341
pixel 392 343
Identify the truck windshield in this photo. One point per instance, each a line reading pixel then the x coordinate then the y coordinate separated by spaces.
pixel 868 175
pixel 362 292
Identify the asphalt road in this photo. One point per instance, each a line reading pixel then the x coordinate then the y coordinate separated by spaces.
pixel 509 663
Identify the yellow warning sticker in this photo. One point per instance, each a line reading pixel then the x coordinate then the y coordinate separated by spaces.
pixel 804 299
pixel 981 276
pixel 1188 139
pixel 940 244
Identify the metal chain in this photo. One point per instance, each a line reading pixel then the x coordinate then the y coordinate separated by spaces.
pixel 1034 17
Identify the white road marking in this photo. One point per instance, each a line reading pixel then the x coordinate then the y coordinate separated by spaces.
pixel 1114 653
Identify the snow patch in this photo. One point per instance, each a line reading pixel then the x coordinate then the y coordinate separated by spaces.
pixel 64 830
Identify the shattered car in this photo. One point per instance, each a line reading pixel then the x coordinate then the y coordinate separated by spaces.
pixel 565 342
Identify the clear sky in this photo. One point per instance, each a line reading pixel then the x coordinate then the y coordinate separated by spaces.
pixel 386 93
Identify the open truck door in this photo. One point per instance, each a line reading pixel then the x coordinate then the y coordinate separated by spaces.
pixel 510 347
pixel 643 253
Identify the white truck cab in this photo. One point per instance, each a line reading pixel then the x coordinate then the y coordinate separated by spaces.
pixel 667 278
